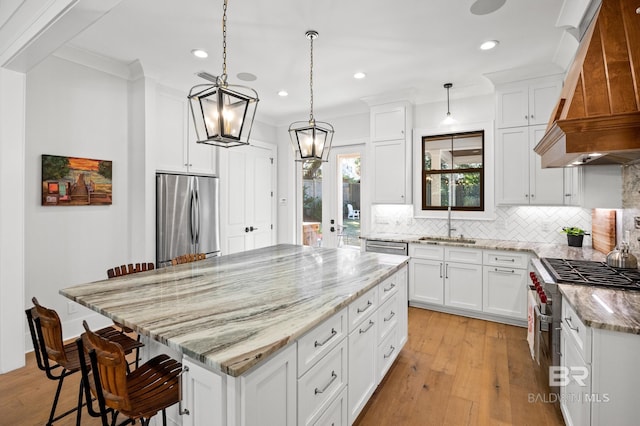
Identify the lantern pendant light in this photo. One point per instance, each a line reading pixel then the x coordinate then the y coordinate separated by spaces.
pixel 311 140
pixel 223 114
pixel 449 119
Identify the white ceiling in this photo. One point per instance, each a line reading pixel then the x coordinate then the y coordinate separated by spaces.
pixel 404 45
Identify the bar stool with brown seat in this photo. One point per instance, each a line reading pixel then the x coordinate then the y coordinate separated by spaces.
pixel 188 258
pixel 122 270
pixel 152 387
pixel 46 334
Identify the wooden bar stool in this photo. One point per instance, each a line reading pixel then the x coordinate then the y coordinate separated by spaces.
pixel 57 359
pixel 188 258
pixel 152 387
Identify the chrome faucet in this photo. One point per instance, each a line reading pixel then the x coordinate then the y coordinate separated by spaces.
pixel 449 228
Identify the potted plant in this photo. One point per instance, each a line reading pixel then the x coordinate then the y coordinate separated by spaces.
pixel 574 236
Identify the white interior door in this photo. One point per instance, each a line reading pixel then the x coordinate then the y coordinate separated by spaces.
pixel 247 208
pixel 331 199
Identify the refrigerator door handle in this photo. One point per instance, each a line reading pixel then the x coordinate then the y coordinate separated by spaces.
pixel 192 216
pixel 197 215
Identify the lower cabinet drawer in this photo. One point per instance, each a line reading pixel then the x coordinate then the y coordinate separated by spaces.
pixel 362 307
pixel 387 352
pixel 318 386
pixel 387 317
pixel 337 412
pixel 319 341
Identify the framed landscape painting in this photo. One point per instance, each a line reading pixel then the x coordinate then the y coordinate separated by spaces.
pixel 72 181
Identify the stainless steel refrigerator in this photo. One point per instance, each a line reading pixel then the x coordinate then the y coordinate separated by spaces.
pixel 187 216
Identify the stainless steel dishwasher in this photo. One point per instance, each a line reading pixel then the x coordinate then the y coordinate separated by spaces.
pixel 388 247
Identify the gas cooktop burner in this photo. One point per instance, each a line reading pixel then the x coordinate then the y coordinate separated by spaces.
pixel 592 273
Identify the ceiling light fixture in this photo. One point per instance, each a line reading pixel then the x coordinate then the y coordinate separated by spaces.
pixel 449 118
pixel 489 44
pixel 283 93
pixel 311 140
pixel 223 114
pixel 200 53
pixel 359 75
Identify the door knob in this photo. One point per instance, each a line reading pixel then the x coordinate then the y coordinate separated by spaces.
pixel 246 229
pixel 332 229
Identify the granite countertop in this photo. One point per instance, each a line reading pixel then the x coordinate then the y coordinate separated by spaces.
pixel 537 249
pixel 597 307
pixel 606 308
pixel 232 312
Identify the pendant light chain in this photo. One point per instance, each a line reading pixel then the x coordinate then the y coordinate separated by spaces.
pixel 311 120
pixel 223 77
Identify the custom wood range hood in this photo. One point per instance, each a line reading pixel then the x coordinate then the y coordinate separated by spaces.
pixel 599 107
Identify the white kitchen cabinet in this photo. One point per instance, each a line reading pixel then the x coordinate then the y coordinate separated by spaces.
pixel 337 414
pixel 390 153
pixel 318 386
pixel 247 198
pixel 202 393
pixel 520 179
pixel 527 103
pixel 505 291
pixel 362 364
pixel 573 189
pixel 403 303
pixel 426 283
pixel 177 149
pixel 463 286
pixel 270 392
pixel 575 409
pixel 388 122
pixel 504 284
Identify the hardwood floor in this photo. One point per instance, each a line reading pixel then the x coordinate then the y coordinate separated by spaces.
pixel 460 371
pixel 453 371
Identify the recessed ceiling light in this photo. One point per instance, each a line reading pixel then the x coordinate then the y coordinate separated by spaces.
pixel 283 93
pixel 246 76
pixel 359 75
pixel 199 53
pixel 489 44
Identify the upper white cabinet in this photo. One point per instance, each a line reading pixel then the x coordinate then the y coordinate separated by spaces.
pixel 527 103
pixel 390 153
pixel 520 179
pixel 177 150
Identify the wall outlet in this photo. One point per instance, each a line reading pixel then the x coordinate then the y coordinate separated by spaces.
pixel 72 308
pixel 544 226
pixel 501 224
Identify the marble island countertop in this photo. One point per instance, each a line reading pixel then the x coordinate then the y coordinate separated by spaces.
pixel 232 312
pixel 537 249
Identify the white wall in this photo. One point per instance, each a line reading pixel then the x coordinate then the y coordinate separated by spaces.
pixel 74 111
pixel 12 221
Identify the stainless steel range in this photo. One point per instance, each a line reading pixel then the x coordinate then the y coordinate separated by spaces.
pixel 545 314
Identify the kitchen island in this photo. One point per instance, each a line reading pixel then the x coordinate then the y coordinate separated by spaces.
pixel 240 318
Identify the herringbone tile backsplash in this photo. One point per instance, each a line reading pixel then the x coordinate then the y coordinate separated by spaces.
pixel 516 223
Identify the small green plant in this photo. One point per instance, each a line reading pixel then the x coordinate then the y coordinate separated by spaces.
pixel 574 231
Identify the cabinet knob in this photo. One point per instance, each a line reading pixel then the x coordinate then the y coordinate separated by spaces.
pixel 526 195
pixel 533 195
pixel 567 195
pixel 526 116
pixel 531 116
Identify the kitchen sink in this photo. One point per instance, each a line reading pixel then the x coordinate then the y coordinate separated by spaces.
pixel 448 239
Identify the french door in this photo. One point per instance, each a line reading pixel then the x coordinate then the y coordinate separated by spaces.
pixel 330 199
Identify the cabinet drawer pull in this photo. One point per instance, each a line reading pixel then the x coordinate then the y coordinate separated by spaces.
pixel 333 334
pixel 505 271
pixel 391 315
pixel 441 270
pixel 182 411
pixel 570 324
pixel 334 376
pixel 503 259
pixel 393 348
pixel 371 323
pixel 391 287
pixel 361 310
pixel 446 271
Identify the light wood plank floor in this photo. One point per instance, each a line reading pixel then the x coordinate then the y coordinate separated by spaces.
pixel 453 371
pixel 460 371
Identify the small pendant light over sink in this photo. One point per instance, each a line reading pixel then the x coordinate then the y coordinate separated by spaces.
pixel 311 140
pixel 449 119
pixel 223 114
